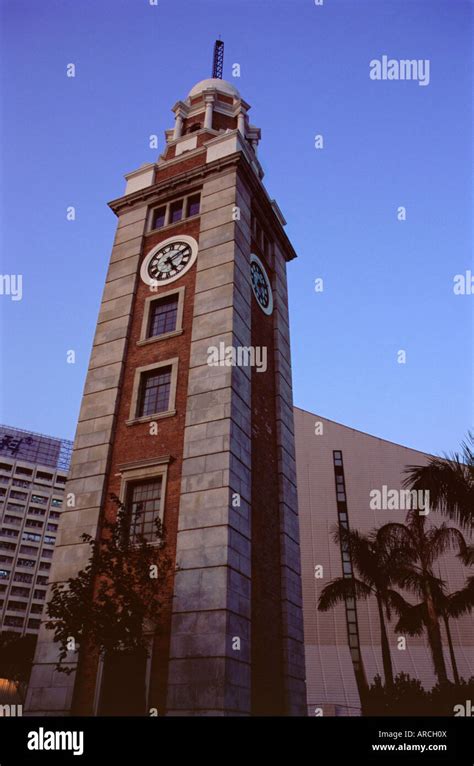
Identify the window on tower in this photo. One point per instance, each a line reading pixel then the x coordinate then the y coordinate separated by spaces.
pixel 194 204
pixel 176 211
pixel 154 392
pixel 159 217
pixel 144 502
pixel 163 316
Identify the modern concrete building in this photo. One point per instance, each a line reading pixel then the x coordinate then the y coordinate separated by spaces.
pixel 179 419
pixel 33 473
pixel 337 470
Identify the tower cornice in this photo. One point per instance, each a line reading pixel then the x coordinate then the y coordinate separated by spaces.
pixel 151 195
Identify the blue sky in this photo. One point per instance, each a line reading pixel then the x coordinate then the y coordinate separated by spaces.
pixel 388 284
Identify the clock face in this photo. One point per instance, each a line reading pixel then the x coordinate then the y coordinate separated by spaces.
pixel 169 260
pixel 261 286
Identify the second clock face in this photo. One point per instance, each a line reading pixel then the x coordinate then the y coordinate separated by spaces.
pixel 169 260
pixel 261 286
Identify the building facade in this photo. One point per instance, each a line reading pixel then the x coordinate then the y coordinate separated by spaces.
pixel 187 413
pixel 340 473
pixel 33 473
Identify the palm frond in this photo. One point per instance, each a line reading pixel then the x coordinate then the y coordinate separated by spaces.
pixel 341 588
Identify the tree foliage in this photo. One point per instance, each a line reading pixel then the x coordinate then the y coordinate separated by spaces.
pixel 117 600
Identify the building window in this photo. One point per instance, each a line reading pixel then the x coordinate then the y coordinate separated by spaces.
pixel 154 392
pixel 194 205
pixel 176 211
pixel 23 577
pixel 144 502
pixel 39 499
pixel 159 218
pixel 18 591
pixel 26 563
pixel 42 476
pixel 23 471
pixel 4 574
pixel 56 503
pixel 14 622
pixel 163 316
pixel 34 624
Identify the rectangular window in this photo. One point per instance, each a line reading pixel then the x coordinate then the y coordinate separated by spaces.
pixel 22 577
pixel 18 591
pixel 32 537
pixel 39 594
pixel 159 217
pixel 44 566
pixel 9 532
pixel 23 471
pixel 16 606
pixel 18 495
pixel 26 563
pixel 39 499
pixel 144 501
pixel 163 315
pixel 12 520
pixel 194 205
pixel 34 523
pixel 20 483
pixel 34 624
pixel 49 540
pixel 14 622
pixel 43 476
pixel 56 503
pixel 154 392
pixel 4 574
pixel 176 211
pixel 28 549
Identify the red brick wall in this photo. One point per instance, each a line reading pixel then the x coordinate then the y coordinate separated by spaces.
pixel 135 443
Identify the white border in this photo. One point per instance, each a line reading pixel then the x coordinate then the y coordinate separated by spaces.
pixel 176 238
pixel 269 310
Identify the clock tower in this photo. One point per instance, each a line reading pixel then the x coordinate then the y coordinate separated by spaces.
pixel 187 414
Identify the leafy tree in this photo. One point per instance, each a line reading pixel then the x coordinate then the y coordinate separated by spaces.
pixel 414 619
pixel 450 481
pixel 378 565
pixel 120 593
pixel 422 546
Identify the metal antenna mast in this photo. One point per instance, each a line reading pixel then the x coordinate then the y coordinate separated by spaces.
pixel 218 59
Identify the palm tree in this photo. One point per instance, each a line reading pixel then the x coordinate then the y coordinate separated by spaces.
pixel 450 481
pixel 413 619
pixel 378 565
pixel 422 547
